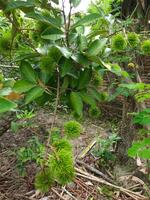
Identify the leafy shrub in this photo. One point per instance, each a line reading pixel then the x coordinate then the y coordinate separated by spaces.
pixel 5 42
pixel 72 129
pixel 94 112
pixel 44 180
pixel 57 163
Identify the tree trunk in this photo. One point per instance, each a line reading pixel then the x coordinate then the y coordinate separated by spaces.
pixel 127 129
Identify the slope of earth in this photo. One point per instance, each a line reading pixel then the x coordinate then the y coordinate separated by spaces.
pixel 89 183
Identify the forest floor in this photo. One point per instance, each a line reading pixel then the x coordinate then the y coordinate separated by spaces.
pixel 92 181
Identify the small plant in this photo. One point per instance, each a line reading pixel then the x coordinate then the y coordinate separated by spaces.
pixel 94 112
pixel 104 147
pixel 24 118
pixel 56 161
pixel 44 180
pixel 146 47
pixel 62 166
pixel 141 147
pixel 118 42
pixel 133 39
pixel 5 43
pixel 72 129
pixel 34 151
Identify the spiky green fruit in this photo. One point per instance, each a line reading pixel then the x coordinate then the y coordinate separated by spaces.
pixel 62 144
pixel 133 39
pixel 44 180
pixel 94 112
pixel 5 42
pixel 146 47
pixel 63 167
pixel 118 42
pixel 72 129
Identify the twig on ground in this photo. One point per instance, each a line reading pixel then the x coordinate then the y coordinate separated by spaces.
pixel 87 149
pixel 95 171
pixel 130 193
pixel 61 197
pixel 67 192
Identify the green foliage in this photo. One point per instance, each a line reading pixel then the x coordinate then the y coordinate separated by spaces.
pixel 55 134
pixel 94 112
pixel 97 79
pixel 6 105
pixel 24 118
pixel 103 147
pixel 119 42
pixel 5 42
pixel 44 180
pixel 47 64
pixel 62 166
pixel 62 144
pixel 146 47
pixel 27 72
pixel 34 151
pixel 133 39
pixel 142 118
pixel 140 148
pixel 76 103
pixel 72 129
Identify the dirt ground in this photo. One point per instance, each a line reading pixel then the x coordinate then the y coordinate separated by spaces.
pixel 15 187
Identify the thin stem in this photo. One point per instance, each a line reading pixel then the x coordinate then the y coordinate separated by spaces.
pixel 55 112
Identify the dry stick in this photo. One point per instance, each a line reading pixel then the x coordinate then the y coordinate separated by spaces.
pixel 61 197
pixel 69 193
pixel 132 194
pixel 55 112
pixel 87 149
pixel 92 169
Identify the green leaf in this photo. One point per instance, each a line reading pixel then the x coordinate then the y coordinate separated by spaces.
pixel 15 127
pixel 27 72
pixel 65 84
pixel 140 148
pixel 65 51
pixel 33 94
pixel 84 78
pixel 144 153
pixel 81 59
pixel 66 67
pixel 95 94
pixel 6 105
pixel 22 86
pixel 134 86
pixel 142 118
pixel 96 47
pixel 52 34
pixel 76 103
pixel 19 4
pixel 86 20
pixel 56 1
pixel 82 42
pixel 88 99
pixel 23 56
pixel 45 19
pixel 75 2
pixel 5 91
